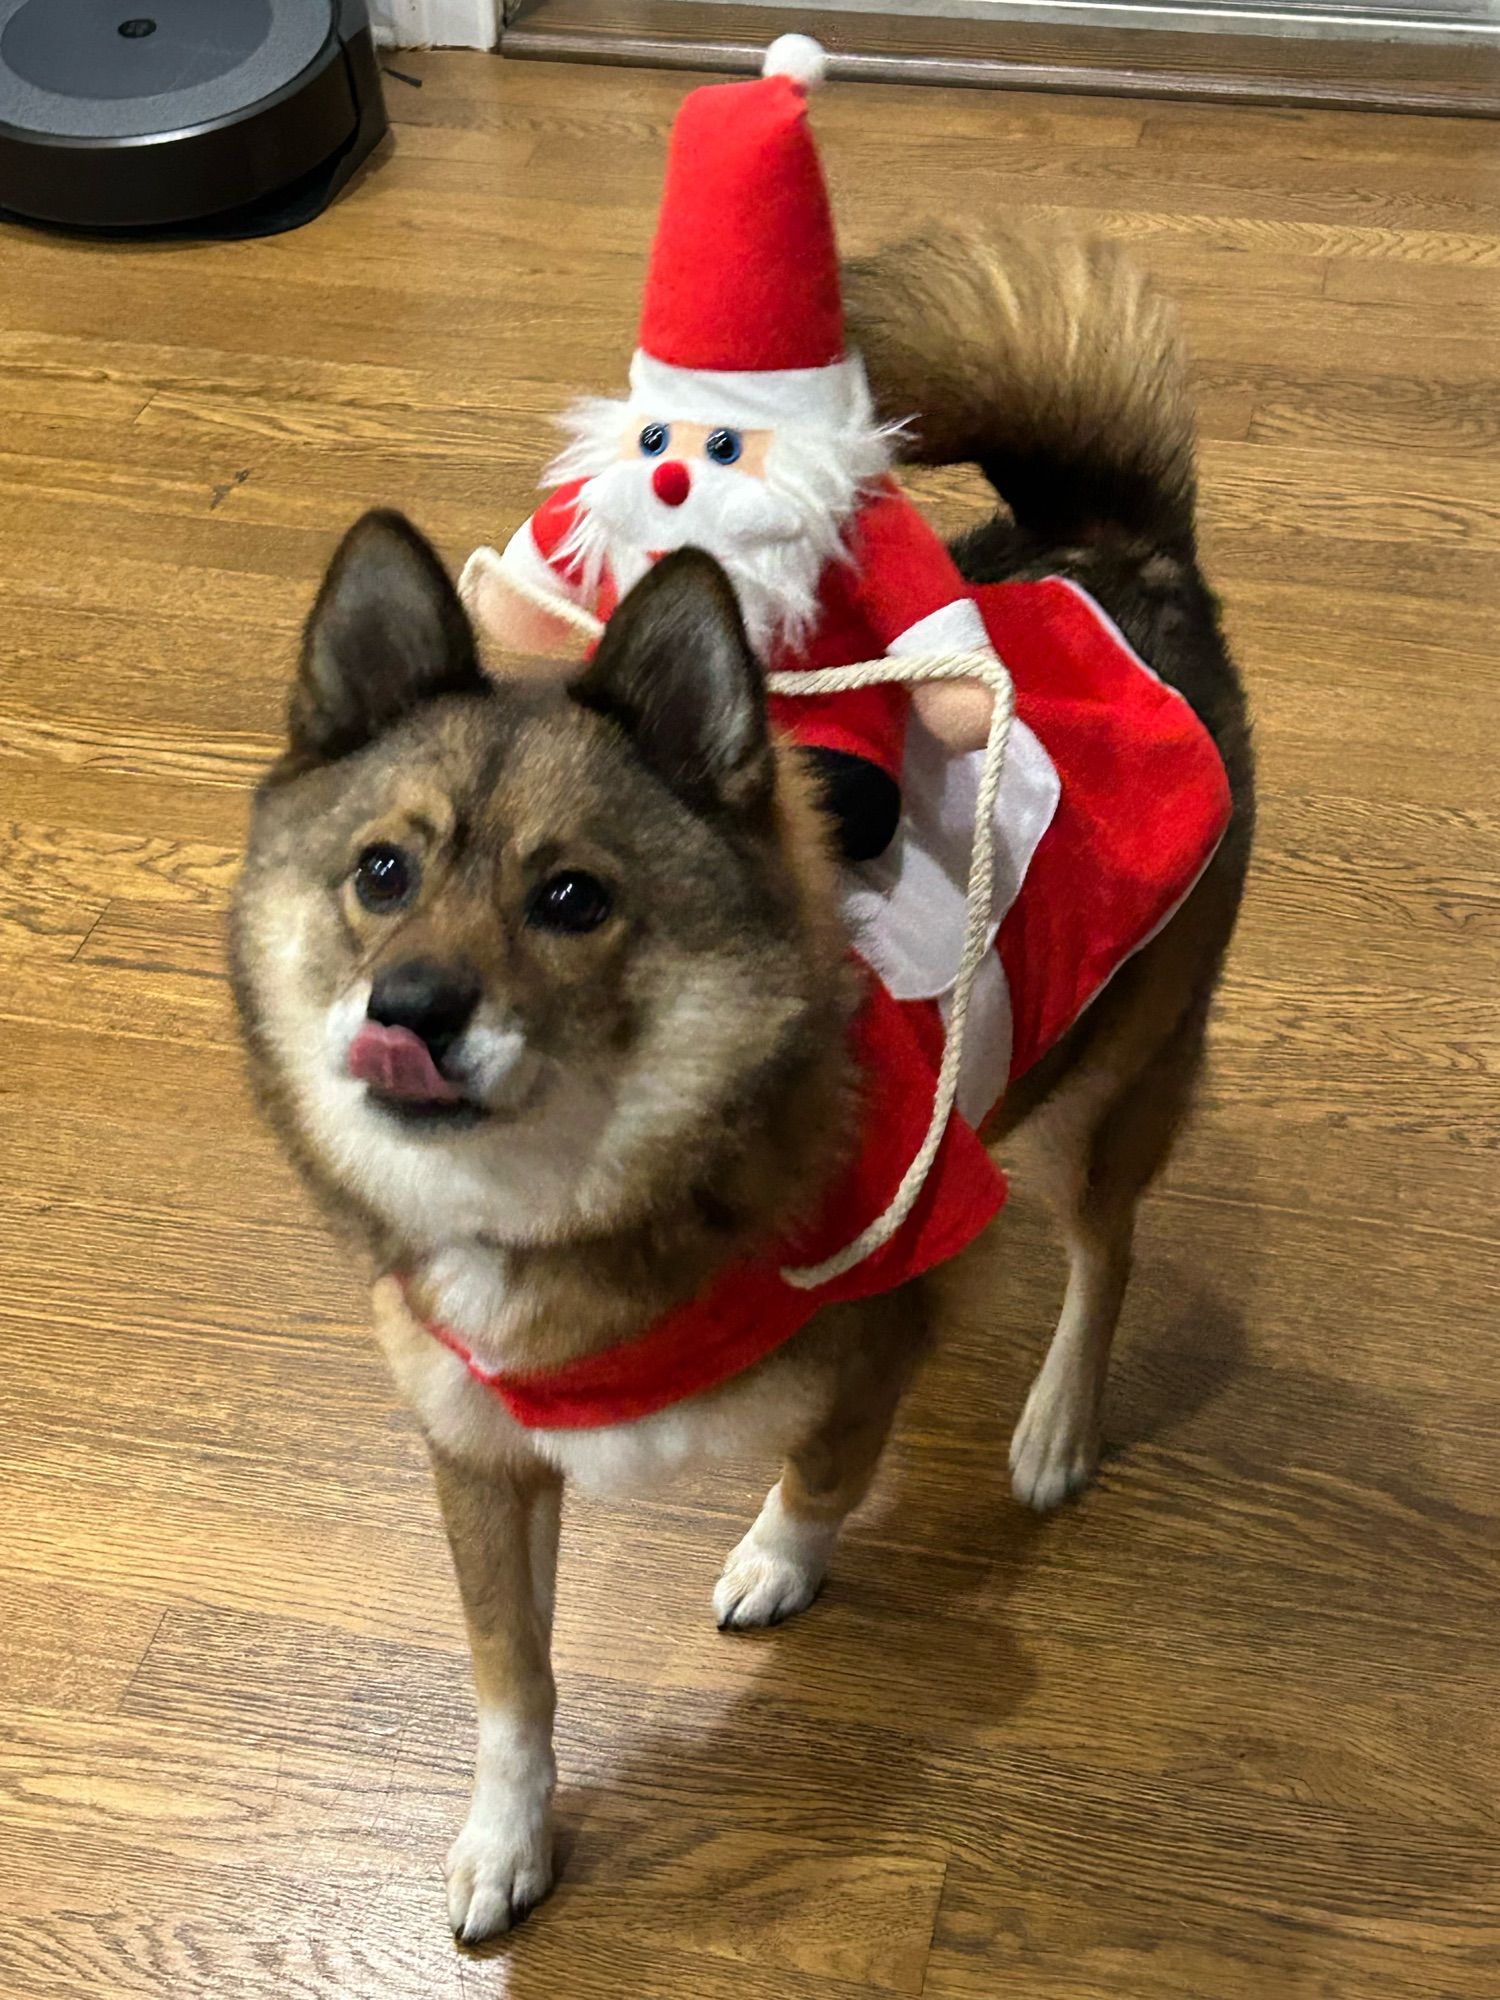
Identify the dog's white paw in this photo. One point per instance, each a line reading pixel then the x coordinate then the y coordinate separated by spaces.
pixel 499 1867
pixel 1055 1450
pixel 777 1570
pixel 762 1587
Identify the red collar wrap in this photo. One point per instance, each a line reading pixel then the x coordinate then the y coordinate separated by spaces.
pixel 749 1310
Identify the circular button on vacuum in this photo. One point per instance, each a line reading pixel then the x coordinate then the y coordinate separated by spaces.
pixel 138 29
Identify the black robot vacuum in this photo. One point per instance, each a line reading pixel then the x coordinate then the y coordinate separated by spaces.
pixel 183 117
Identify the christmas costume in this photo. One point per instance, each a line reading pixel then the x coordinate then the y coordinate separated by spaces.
pixel 1086 819
pixel 1138 805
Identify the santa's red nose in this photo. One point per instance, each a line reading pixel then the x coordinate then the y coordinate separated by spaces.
pixel 670 482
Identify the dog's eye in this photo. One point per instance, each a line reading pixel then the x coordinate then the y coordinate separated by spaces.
pixel 654 440
pixel 573 902
pixel 385 877
pixel 724 447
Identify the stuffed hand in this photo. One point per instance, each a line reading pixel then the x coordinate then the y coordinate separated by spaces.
pixel 511 621
pixel 956 712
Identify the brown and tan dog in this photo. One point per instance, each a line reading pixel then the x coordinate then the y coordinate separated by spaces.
pixel 607 920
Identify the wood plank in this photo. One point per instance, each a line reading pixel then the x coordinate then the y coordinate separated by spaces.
pixel 70 1649
pixel 1085 1939
pixel 1258 189
pixel 770 1899
pixel 1355 240
pixel 1352 492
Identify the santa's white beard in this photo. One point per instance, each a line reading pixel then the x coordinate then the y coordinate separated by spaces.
pixel 773 536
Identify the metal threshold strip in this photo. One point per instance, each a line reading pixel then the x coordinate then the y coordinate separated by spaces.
pixel 1007 45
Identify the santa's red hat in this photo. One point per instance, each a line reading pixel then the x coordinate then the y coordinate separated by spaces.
pixel 743 321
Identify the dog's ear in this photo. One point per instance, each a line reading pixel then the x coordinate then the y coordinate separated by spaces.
pixel 677 673
pixel 387 632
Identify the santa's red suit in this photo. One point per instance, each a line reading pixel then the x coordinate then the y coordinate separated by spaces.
pixel 1111 802
pixel 897 593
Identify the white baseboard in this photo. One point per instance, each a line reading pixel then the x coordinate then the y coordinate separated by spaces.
pixel 436 24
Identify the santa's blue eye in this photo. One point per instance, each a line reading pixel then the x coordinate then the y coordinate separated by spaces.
pixel 654 440
pixel 724 447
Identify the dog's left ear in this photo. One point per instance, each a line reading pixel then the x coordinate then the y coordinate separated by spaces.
pixel 387 633
pixel 677 673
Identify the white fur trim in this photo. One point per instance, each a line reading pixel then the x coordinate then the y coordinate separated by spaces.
pixel 956 628
pixel 522 561
pixel 908 910
pixel 484 562
pixel 525 562
pixel 985 1069
pixel 799 57
pixel 752 400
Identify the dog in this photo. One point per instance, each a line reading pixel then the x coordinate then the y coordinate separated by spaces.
pixel 548 995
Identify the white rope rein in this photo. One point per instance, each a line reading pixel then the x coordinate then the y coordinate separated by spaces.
pixel 919 668
pixel 915 669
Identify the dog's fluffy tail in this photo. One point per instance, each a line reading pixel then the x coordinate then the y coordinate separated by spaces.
pixel 1053 364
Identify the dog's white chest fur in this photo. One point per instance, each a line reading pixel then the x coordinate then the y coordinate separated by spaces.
pixel 763 1410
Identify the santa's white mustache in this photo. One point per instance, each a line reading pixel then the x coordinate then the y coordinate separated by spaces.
pixel 722 507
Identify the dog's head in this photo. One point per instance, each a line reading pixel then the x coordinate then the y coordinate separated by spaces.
pixel 523 963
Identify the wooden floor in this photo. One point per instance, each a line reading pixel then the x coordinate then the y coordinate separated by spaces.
pixel 1224 1731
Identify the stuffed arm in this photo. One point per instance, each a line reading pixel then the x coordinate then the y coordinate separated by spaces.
pixel 916 603
pixel 519 598
pixel 957 712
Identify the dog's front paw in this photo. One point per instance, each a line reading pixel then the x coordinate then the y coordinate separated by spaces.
pixel 777 1570
pixel 499 1867
pixel 1055 1450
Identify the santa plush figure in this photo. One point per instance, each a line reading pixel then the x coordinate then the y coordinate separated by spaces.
pixel 749 432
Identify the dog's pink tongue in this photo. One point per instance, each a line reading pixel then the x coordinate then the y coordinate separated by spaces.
pixel 399 1063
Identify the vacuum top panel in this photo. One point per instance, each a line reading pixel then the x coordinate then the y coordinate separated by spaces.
pixel 125 69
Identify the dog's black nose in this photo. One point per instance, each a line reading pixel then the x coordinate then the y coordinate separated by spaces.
pixel 434 1001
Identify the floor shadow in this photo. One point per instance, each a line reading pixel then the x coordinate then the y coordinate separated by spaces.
pixel 744 1826
pixel 1169 1370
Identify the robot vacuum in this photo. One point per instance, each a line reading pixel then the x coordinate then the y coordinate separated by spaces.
pixel 183 117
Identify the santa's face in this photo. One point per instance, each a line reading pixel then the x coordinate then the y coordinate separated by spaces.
pixel 771 505
pixel 676 485
pixel 743 495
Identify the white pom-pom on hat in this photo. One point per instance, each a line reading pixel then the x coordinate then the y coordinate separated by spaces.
pixel 799 57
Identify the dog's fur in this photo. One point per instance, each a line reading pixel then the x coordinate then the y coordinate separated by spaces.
pixel 648 1100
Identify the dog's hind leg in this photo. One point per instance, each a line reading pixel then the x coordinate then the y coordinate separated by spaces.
pixel 1055 1448
pixel 779 1567
pixel 1091 1150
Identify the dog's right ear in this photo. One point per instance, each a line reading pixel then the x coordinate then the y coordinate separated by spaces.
pixel 387 633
